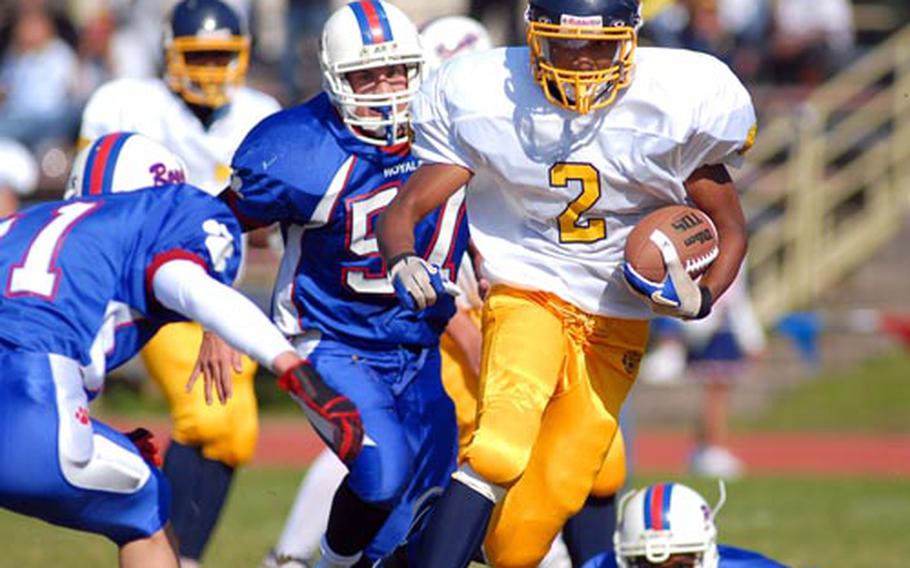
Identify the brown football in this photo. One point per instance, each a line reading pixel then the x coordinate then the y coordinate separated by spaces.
pixel 691 232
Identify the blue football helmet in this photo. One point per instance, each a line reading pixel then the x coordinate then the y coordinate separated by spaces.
pixel 583 51
pixel 207 52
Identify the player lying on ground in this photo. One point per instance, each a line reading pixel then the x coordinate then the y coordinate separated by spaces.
pixel 669 525
pixel 88 281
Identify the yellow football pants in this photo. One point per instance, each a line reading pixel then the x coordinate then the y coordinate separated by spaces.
pixel 552 382
pixel 612 474
pixel 225 433
pixel 461 385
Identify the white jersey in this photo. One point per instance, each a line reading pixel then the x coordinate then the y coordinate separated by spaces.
pixel 149 107
pixel 555 194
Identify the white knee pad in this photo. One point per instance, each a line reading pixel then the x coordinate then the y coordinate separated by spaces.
pixel 88 460
pixel 111 468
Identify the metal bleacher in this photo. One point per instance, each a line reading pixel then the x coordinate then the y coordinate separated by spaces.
pixel 828 181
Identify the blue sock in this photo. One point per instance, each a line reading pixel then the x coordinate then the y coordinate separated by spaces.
pixel 456 528
pixel 199 487
pixel 590 531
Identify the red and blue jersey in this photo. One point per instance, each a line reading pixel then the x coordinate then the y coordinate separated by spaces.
pixel 303 168
pixel 77 274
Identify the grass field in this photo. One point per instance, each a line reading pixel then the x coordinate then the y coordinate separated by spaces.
pixel 804 522
pixel 823 523
pixel 869 398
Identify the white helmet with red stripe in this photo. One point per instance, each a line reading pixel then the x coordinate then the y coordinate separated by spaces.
pixel 665 520
pixel 123 161
pixel 362 35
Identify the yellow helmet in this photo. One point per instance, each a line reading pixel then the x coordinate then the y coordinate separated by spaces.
pixel 207 52
pixel 602 33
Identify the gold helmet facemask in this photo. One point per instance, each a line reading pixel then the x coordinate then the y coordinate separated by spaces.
pixel 202 80
pixel 582 91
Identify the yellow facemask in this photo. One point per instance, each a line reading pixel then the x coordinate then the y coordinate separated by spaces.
pixel 207 85
pixel 582 91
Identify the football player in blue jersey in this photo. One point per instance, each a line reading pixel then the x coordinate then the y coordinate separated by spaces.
pixel 200 109
pixel 324 171
pixel 86 283
pixel 669 525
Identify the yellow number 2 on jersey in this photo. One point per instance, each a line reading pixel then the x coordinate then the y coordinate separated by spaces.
pixel 572 228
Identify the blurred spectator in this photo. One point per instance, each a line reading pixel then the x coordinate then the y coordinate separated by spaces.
pixel 37 79
pixel 719 347
pixel 134 47
pixel 704 30
pixel 716 350
pixel 18 175
pixel 663 27
pixel 481 10
pixel 96 63
pixel 749 22
pixel 732 30
pixel 812 39
pixel 299 63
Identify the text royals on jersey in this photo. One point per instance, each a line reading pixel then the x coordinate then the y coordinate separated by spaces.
pixel 344 292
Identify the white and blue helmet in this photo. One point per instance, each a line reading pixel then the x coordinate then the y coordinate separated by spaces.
pixel 663 520
pixel 123 161
pixel 363 35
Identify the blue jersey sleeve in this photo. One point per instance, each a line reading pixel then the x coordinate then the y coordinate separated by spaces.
pixel 192 226
pixel 281 169
pixel 201 229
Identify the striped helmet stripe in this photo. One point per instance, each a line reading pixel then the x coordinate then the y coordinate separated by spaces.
pixel 102 161
pixel 657 506
pixel 373 21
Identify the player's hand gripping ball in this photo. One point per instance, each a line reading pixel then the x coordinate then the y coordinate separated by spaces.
pixel 665 253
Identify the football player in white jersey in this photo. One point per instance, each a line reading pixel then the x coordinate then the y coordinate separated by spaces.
pixel 201 111
pixel 561 159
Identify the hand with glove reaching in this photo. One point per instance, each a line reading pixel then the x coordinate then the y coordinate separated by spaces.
pixel 677 295
pixel 418 284
pixel 333 415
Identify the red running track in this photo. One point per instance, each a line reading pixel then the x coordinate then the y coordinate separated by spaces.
pixel 291 443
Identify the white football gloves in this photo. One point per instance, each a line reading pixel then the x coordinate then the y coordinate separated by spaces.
pixel 418 284
pixel 677 295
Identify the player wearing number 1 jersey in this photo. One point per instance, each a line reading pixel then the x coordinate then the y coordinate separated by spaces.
pixel 86 283
pixel 201 110
pixel 561 158
pixel 325 171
